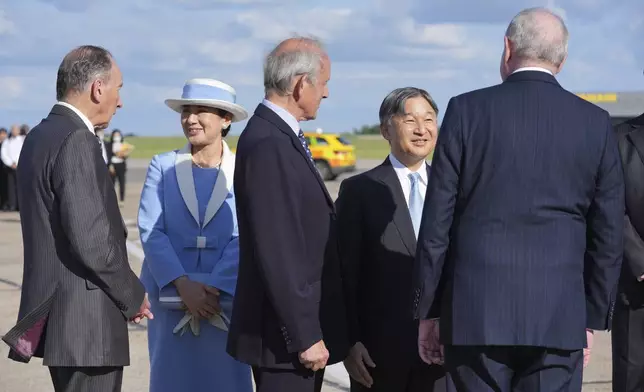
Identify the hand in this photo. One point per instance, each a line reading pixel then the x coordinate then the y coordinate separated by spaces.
pixel 14 166
pixel 144 311
pixel 641 278
pixel 429 347
pixel 315 357
pixel 355 364
pixel 200 299
pixel 590 334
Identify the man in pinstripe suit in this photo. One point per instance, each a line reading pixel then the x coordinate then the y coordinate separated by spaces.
pixel 78 288
pixel 521 238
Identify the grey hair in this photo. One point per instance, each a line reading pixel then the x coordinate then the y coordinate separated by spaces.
pixel 534 42
pixel 394 103
pixel 282 66
pixel 80 68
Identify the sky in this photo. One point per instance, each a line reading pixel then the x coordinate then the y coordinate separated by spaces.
pixel 444 46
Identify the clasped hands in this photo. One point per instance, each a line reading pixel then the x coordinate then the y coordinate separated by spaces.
pixel 199 299
pixel 432 352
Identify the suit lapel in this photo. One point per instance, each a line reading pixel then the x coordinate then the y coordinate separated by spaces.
pixel 74 118
pixel 401 218
pixel 186 182
pixel 223 184
pixel 272 117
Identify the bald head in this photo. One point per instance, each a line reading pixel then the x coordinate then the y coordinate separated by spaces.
pixel 289 60
pixel 538 35
pixel 298 44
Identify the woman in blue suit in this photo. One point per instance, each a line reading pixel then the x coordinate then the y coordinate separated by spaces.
pixel 188 229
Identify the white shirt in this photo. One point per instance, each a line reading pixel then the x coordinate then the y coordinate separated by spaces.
pixel 103 150
pixel 116 147
pixel 89 125
pixel 10 152
pixel 533 69
pixel 284 115
pixel 403 172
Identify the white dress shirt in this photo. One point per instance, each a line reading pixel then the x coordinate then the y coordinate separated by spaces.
pixel 403 172
pixel 10 152
pixel 539 69
pixel 103 150
pixel 284 115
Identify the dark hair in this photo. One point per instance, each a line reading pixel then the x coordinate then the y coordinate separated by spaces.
pixel 24 129
pixel 394 102
pixel 222 113
pixel 115 131
pixel 4 130
pixel 225 131
pixel 81 67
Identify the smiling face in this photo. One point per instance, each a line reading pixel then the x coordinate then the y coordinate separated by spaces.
pixel 202 125
pixel 412 135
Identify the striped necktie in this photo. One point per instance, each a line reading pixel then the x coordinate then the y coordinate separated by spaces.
pixel 300 136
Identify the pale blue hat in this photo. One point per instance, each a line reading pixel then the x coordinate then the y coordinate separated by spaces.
pixel 211 93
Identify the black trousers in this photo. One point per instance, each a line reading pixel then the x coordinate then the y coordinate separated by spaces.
pixel 12 189
pixel 627 336
pixel 86 379
pixel 278 380
pixel 3 185
pixel 419 378
pixel 119 175
pixel 514 368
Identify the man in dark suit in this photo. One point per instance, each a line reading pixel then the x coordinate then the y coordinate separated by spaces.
pixel 288 309
pixel 78 289
pixel 379 215
pixel 628 321
pixel 522 224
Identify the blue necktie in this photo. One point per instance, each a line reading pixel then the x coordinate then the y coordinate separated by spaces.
pixel 415 202
pixel 300 136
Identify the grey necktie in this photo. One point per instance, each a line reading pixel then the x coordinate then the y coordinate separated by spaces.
pixel 415 202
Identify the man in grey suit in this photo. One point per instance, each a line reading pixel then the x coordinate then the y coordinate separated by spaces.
pixel 78 289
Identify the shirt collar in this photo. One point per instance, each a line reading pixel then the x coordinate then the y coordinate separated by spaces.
pixel 539 69
pixel 83 117
pixel 288 118
pixel 403 171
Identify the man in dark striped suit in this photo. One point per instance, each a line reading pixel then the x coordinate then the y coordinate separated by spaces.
pixel 78 289
pixel 522 232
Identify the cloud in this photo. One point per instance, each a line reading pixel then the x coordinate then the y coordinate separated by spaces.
pixel 444 46
pixel 7 27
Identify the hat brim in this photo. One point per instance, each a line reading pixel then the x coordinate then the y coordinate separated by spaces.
pixel 238 112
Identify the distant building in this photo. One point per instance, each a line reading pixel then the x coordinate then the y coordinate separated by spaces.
pixel 621 106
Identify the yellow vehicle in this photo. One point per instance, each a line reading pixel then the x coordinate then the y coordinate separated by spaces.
pixel 332 154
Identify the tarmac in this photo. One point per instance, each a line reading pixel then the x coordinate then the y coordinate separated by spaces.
pixel 33 377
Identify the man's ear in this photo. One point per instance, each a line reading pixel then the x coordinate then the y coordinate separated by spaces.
pixel 97 90
pixel 507 53
pixel 560 67
pixel 384 131
pixel 298 88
